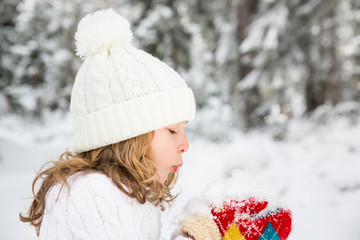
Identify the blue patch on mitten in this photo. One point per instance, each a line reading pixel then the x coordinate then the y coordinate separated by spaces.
pixel 269 233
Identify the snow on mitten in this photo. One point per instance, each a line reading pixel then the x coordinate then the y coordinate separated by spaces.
pixel 239 210
pixel 201 228
pixel 251 220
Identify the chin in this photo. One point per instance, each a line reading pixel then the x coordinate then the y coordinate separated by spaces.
pixel 163 179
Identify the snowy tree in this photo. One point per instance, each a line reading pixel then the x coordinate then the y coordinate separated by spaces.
pixel 160 32
pixel 293 60
pixel 319 44
pixel 213 63
pixel 349 37
pixel 7 37
pixel 269 65
pixel 42 59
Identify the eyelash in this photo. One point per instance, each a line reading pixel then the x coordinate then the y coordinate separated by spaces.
pixel 172 131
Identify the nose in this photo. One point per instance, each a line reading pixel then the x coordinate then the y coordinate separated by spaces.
pixel 184 145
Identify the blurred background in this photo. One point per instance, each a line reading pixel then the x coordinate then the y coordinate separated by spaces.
pixel 277 86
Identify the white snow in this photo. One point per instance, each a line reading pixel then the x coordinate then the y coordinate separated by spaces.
pixel 314 171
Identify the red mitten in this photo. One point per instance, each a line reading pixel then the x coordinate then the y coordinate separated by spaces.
pixel 251 220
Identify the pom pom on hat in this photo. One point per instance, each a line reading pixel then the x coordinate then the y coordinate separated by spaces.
pixel 100 31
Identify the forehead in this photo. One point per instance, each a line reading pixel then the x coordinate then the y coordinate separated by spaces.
pixel 175 125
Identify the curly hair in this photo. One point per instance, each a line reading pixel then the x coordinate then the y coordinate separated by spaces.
pixel 128 163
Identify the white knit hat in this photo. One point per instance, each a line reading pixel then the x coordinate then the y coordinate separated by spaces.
pixel 121 92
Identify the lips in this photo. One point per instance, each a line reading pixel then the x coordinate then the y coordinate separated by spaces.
pixel 175 168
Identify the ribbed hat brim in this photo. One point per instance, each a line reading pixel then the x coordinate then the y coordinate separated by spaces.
pixel 132 118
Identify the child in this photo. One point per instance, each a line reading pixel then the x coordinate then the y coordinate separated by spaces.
pixel 129 114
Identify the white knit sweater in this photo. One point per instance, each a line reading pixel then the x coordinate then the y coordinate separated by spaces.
pixel 95 209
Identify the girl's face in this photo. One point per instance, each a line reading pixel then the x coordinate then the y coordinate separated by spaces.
pixel 168 144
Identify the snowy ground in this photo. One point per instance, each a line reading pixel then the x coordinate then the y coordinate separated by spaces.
pixel 315 170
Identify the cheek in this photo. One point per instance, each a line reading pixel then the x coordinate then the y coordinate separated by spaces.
pixel 164 149
pixel 164 156
pixel 164 153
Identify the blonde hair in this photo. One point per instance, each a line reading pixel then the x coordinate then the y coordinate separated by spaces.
pixel 129 163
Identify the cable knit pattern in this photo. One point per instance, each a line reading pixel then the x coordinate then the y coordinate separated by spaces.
pixel 95 208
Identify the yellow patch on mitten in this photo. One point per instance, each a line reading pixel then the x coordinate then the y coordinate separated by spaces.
pixel 233 233
pixel 202 228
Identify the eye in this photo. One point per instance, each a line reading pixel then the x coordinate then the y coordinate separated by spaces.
pixel 172 131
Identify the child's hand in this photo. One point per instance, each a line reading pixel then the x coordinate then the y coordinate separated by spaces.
pixel 181 237
pixel 200 228
pixel 185 236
